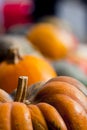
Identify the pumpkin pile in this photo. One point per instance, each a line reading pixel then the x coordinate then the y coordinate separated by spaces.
pixel 58 104
pixel 15 64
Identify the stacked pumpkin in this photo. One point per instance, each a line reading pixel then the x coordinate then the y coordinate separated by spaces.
pixel 14 63
pixel 58 104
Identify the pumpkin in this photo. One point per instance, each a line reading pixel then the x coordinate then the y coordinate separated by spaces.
pixel 36 68
pixel 56 106
pixel 20 42
pixel 64 26
pixel 54 43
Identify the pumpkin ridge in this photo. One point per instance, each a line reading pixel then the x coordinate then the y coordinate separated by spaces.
pixel 38 120
pixel 52 116
pixel 21 117
pixel 72 112
pixel 5 116
pixel 61 88
pixel 71 81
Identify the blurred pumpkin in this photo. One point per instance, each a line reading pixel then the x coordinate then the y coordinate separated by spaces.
pixel 63 26
pixel 57 105
pixel 53 42
pixel 36 68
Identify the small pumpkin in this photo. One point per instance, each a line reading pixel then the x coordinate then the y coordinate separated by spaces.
pixel 36 68
pixel 60 108
pixel 53 42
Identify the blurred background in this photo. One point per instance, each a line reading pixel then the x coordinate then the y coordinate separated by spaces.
pixel 18 17
pixel 14 12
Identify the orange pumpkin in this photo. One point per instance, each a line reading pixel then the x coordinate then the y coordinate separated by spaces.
pixel 37 69
pixel 53 42
pixel 56 106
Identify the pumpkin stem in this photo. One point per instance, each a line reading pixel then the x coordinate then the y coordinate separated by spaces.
pixel 13 55
pixel 21 89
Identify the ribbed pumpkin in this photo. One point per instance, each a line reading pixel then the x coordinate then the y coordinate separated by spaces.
pixel 57 105
pixel 53 42
pixel 37 69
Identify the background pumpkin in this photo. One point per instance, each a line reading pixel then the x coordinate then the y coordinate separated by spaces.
pixel 37 69
pixel 63 26
pixel 53 42
pixel 58 111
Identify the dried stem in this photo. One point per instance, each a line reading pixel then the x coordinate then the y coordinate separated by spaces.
pixel 21 89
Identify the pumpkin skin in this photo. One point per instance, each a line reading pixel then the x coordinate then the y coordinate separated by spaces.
pixel 58 111
pixel 53 43
pixel 62 88
pixel 29 66
pixel 71 81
